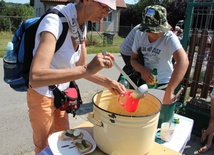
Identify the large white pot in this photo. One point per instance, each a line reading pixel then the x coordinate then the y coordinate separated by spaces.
pixel 118 132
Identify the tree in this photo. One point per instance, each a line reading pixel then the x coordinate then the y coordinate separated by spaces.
pixel 2 7
pixel 3 22
pixel 13 14
pixel 133 14
pixel 176 11
pixel 18 14
pixel 128 19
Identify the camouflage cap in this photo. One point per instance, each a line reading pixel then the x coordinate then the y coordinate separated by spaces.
pixel 155 20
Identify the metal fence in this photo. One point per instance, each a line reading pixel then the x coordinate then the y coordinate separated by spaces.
pixel 198 42
pixel 200 15
pixel 11 23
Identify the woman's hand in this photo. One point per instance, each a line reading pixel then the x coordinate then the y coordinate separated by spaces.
pixel 115 87
pixel 99 62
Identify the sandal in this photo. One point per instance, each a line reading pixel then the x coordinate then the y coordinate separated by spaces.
pixel 204 149
pixel 203 139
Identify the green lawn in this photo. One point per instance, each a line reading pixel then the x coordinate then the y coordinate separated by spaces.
pixel 4 38
pixel 95 43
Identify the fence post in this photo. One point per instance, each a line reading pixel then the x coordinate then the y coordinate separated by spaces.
pixel 10 25
pixel 187 24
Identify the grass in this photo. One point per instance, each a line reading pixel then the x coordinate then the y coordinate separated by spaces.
pixel 5 37
pixel 95 43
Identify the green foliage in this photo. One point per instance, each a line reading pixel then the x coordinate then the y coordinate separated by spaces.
pixel 176 11
pixel 12 15
pixel 129 16
pixel 5 37
pixel 133 14
pixel 2 7
pixel 22 12
pixel 94 40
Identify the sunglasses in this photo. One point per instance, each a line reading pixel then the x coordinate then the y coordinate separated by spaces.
pixel 105 7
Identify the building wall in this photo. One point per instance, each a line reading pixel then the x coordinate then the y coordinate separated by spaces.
pixel 38 9
pixel 112 26
pixel 108 26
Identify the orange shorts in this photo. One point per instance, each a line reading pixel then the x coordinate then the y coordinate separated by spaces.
pixel 45 118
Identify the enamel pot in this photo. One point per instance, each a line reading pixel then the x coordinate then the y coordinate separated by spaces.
pixel 119 132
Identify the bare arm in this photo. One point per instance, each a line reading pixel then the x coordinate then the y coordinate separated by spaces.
pixel 145 72
pixel 42 75
pixel 112 85
pixel 180 68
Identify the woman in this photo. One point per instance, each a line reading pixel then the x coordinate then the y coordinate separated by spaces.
pixel 67 64
pixel 159 45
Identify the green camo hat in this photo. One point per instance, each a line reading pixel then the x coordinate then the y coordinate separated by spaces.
pixel 155 20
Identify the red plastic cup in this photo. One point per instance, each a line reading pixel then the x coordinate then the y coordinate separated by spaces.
pixel 130 104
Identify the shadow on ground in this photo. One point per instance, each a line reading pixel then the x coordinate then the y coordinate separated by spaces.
pixel 85 108
pixel 193 145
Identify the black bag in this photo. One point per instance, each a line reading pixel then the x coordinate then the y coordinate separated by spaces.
pixel 133 75
pixel 130 71
pixel 68 100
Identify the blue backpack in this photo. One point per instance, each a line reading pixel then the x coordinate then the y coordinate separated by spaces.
pixel 17 75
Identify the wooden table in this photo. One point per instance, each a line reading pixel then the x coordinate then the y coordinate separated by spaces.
pixel 158 149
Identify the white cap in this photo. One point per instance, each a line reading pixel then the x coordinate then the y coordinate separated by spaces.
pixel 110 3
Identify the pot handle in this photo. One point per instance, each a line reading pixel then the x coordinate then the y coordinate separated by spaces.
pixel 94 121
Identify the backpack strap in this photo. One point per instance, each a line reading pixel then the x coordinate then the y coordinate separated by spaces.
pixel 31 31
pixel 62 37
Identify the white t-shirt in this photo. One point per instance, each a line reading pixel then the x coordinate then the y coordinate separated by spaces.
pixel 66 56
pixel 126 46
pixel 158 54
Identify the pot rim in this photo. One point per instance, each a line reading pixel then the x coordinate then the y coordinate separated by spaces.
pixel 126 115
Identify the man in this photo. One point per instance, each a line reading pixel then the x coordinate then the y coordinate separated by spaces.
pixel 158 45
